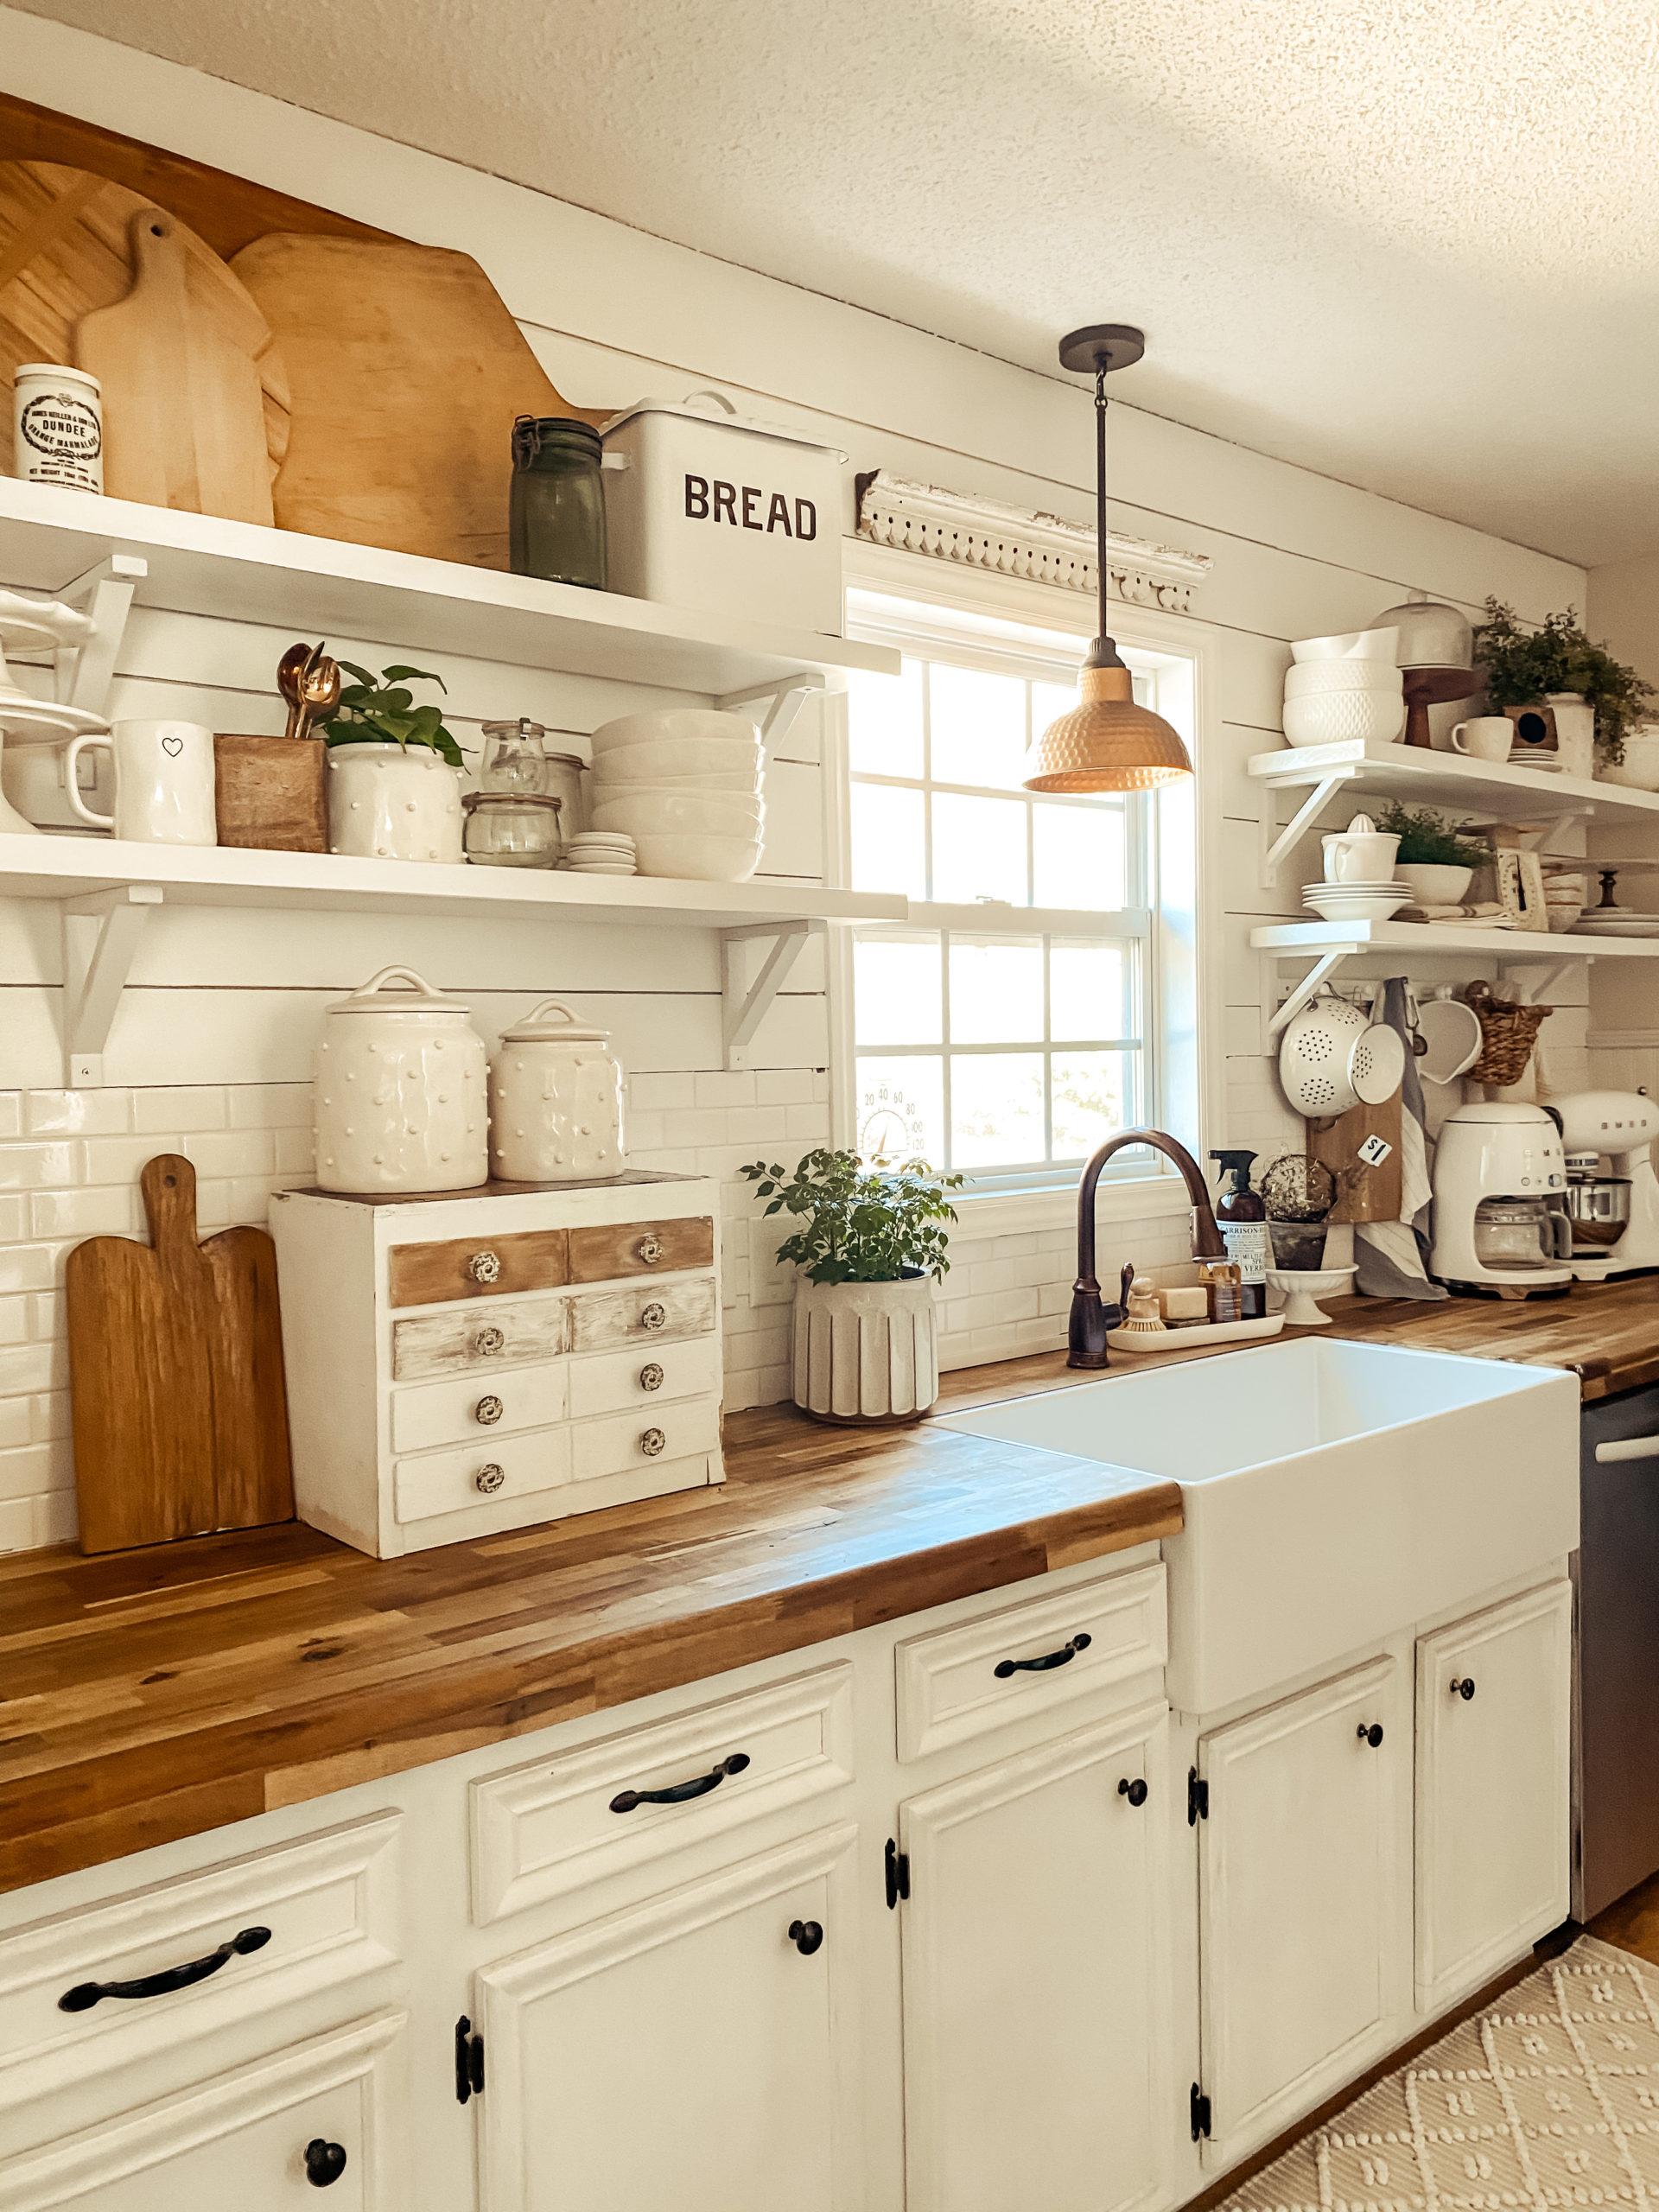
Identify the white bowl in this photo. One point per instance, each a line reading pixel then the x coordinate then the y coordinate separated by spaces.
pixel 1433 883
pixel 1352 644
pixel 680 725
pixel 714 814
pixel 1356 906
pixel 1339 717
pixel 679 756
pixel 700 860
pixel 1308 679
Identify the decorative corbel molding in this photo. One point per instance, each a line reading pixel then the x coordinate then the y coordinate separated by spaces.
pixel 1014 542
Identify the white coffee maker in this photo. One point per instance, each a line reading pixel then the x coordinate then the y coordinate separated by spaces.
pixel 1614 1211
pixel 1500 1199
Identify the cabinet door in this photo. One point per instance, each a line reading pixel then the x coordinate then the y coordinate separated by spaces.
pixel 1494 1816
pixel 697 2054
pixel 1303 1874
pixel 263 2139
pixel 1036 1973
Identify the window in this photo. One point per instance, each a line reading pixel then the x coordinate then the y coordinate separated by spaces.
pixel 1005 1031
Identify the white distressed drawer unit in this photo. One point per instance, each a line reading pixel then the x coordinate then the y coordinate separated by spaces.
pixel 484 1361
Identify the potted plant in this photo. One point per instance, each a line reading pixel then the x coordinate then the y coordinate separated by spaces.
pixel 870 1246
pixel 394 790
pixel 1432 858
pixel 1597 701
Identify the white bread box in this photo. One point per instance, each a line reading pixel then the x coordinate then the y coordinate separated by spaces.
pixel 704 508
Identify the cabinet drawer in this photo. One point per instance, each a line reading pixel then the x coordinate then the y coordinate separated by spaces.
pixel 544 1830
pixel 612 1381
pixel 471 1408
pixel 640 1248
pixel 264 1931
pixel 614 1445
pixel 453 1343
pixel 1025 1660
pixel 600 1318
pixel 479 1267
pixel 478 1474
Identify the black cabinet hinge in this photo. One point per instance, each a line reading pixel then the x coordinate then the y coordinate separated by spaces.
pixel 1197 1797
pixel 1198 2110
pixel 897 1873
pixel 469 2062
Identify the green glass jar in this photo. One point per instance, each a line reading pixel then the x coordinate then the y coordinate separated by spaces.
pixel 556 517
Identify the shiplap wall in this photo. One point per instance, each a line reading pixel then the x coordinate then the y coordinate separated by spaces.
pixel 212 1047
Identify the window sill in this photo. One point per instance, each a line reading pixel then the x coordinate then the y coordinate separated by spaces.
pixel 1013 1213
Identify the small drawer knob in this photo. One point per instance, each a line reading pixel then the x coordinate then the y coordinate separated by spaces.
pixel 485 1267
pixel 1136 1791
pixel 653 1316
pixel 325 2162
pixel 1371 1735
pixel 489 1341
pixel 653 1442
pixel 650 1376
pixel 650 1247
pixel 807 1936
pixel 1463 1687
pixel 487 1411
pixel 489 1479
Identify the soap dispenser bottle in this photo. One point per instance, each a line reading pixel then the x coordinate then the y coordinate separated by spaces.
pixel 1241 1217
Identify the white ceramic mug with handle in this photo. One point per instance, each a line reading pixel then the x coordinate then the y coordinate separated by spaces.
pixel 163 783
pixel 1485 737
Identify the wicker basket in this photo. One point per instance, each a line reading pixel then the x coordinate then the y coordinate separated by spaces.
pixel 1508 1033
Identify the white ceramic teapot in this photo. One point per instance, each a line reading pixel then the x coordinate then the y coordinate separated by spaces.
pixel 555 1101
pixel 400 1090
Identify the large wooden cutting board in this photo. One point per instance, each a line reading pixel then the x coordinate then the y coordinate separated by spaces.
pixel 176 1358
pixel 1364 1193
pixel 406 370
pixel 66 254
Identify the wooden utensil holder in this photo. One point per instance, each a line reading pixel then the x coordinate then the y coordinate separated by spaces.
pixel 271 792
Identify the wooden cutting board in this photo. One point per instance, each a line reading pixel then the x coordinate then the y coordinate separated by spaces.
pixel 175 1358
pixel 66 255
pixel 1363 1194
pixel 406 371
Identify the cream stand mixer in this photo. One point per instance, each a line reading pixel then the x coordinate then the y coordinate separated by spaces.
pixel 1614 1212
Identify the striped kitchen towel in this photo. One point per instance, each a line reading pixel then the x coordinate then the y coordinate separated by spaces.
pixel 1392 1257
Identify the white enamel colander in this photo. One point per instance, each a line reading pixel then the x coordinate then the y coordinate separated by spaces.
pixel 1333 1056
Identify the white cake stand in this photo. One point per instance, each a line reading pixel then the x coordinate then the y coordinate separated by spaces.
pixel 1303 1288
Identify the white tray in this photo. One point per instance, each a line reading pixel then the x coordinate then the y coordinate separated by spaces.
pixel 1206 1332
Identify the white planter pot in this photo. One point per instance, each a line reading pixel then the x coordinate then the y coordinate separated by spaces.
pixel 1435 883
pixel 865 1352
pixel 400 1092
pixel 393 803
pixel 1640 768
pixel 555 1101
pixel 1575 733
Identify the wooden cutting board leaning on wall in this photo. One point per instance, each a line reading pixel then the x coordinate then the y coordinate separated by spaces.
pixel 178 1399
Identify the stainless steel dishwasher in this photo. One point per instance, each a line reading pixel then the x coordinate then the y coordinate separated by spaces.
pixel 1615 1732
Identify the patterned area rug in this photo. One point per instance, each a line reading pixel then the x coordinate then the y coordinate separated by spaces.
pixel 1547 2101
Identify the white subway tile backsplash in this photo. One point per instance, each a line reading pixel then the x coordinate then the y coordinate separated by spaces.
pixel 235 1151
pixel 85 1213
pixel 175 1108
pixel 37 1167
pixel 76 1113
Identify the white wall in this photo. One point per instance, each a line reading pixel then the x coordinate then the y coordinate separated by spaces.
pixel 211 1045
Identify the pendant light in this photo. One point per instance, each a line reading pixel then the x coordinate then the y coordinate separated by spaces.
pixel 1106 743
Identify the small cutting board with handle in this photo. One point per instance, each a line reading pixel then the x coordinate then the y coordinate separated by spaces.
pixel 1364 1192
pixel 176 1360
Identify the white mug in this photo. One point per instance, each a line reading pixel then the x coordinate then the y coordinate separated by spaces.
pixel 1486 737
pixel 163 783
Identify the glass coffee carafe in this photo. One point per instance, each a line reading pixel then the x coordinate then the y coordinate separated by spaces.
pixel 1521 1233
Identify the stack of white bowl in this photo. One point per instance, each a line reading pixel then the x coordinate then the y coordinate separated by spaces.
pixel 684 783
pixel 1342 688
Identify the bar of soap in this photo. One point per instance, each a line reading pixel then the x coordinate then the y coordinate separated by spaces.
pixel 1187 1302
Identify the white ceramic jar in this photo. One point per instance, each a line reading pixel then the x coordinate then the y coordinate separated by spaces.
pixel 393 803
pixel 400 1090
pixel 555 1101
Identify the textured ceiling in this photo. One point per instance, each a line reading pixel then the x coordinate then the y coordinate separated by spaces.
pixel 1412 243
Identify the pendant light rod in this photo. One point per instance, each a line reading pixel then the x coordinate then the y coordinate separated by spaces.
pixel 1104 626
pixel 1096 350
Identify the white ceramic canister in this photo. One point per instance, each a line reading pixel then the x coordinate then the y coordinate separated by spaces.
pixel 555 1101
pixel 58 426
pixel 393 803
pixel 400 1090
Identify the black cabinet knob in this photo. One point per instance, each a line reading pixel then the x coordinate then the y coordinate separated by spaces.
pixel 1135 1791
pixel 1373 1735
pixel 1464 1688
pixel 806 1935
pixel 324 2162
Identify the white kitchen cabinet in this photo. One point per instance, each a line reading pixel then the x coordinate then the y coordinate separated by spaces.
pixel 1037 1978
pixel 697 2054
pixel 1493 1820
pixel 1304 1871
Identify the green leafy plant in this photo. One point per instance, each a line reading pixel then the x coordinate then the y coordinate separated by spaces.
pixel 1524 666
pixel 381 710
pixel 1427 839
pixel 858 1222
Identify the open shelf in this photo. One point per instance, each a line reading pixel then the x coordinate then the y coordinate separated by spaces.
pixel 1427 940
pixel 202 564
pixel 1424 778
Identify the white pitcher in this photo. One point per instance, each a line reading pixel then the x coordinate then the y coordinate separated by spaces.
pixel 1360 854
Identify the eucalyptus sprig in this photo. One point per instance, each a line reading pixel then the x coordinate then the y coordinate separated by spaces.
pixel 860 1224
pixel 381 710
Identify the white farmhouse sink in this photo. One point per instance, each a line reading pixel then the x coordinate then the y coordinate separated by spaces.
pixel 1334 1493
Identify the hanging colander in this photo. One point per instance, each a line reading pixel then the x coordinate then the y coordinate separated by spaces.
pixel 1333 1056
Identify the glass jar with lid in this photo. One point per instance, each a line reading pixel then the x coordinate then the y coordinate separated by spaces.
pixel 514 758
pixel 556 511
pixel 511 829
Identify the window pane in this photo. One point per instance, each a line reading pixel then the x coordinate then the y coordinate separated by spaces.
pixel 979 850
pixel 996 993
pixel 977 726
pixel 884 722
pixel 1048 702
pixel 1086 992
pixel 889 848
pixel 896 990
pixel 901 1108
pixel 1078 854
pixel 996 1109
pixel 1094 1094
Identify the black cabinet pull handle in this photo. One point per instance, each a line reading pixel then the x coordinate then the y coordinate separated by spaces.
pixel 324 2162
pixel 1463 1688
pixel 806 1935
pixel 1063 1657
pixel 86 1995
pixel 680 1793
pixel 1135 1791
pixel 1373 1735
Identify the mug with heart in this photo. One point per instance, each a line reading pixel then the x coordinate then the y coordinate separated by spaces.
pixel 163 782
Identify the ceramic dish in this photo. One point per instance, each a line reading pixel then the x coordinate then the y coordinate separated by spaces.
pixel 699 859
pixel 714 814
pixel 1351 645
pixel 1341 717
pixel 1450 1031
pixel 1600 922
pixel 40 625
pixel 695 756
pixel 30 721
pixel 683 725
pixel 1343 906
pixel 1308 679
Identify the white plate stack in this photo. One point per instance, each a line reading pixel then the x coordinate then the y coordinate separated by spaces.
pixel 1342 688
pixel 598 852
pixel 1356 902
pixel 684 784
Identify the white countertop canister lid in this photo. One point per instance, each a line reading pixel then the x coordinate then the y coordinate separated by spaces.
pixel 714 407
pixel 417 996
pixel 553 1023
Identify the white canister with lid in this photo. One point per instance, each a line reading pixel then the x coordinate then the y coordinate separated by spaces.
pixel 401 1103
pixel 555 1101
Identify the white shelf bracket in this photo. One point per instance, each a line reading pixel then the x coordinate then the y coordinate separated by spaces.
pixel 83 673
pixel 1319 973
pixel 1537 988
pixel 743 1006
pixel 1310 810
pixel 780 703
pixel 100 936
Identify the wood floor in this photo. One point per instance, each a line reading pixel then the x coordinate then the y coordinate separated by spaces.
pixel 1633 1923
